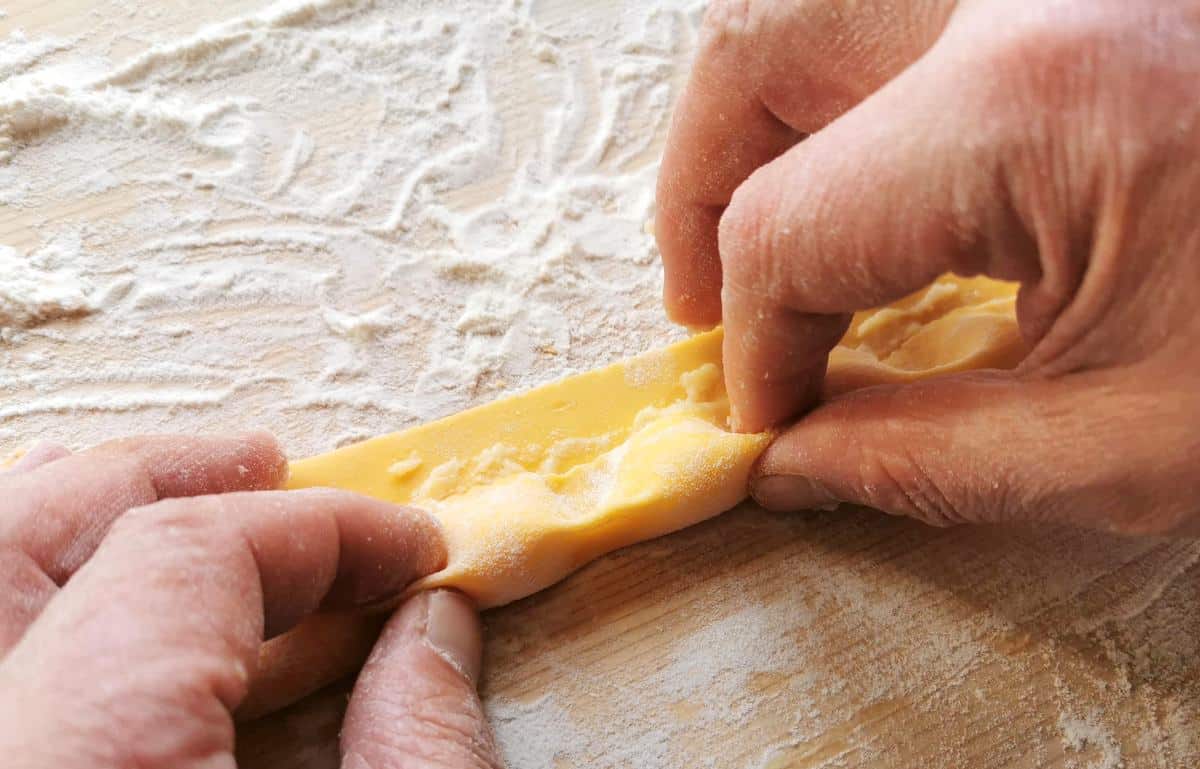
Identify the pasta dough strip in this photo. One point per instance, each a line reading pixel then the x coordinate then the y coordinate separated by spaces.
pixel 531 487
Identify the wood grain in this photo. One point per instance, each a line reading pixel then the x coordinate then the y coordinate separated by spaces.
pixel 758 640
pixel 970 647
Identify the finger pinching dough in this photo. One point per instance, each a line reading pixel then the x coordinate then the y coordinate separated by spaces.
pixel 531 487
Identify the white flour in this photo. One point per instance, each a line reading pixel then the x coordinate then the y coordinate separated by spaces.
pixel 32 292
pixel 340 218
pixel 330 218
pixel 931 646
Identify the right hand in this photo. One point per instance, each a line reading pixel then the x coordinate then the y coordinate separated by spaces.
pixel 828 157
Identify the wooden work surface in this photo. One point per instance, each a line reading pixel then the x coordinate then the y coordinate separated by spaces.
pixel 843 638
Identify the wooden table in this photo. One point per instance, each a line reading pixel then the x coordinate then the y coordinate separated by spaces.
pixel 844 638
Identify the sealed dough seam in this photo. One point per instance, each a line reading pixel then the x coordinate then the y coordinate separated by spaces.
pixel 530 488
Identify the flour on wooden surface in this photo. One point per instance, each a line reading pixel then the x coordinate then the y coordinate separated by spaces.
pixel 1082 734
pixel 34 290
pixel 337 218
pixel 333 218
pixel 821 659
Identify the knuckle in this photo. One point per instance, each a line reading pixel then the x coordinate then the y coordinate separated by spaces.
pixel 20 572
pixel 25 589
pixel 899 483
pixel 1036 45
pixel 217 673
pixel 1043 31
pixel 155 710
pixel 1082 54
pixel 440 731
pixel 730 21
pixel 744 236
pixel 196 519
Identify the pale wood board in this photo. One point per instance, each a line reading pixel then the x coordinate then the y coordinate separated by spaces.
pixel 970 647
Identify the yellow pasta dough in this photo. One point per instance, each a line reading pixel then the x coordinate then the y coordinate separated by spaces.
pixel 529 488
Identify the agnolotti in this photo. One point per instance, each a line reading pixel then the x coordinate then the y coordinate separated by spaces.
pixel 531 487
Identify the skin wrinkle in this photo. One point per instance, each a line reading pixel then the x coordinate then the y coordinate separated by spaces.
pixel 212 535
pixel 1060 259
pixel 912 488
pixel 320 579
pixel 888 474
pixel 1060 499
pixel 72 553
pixel 198 534
pixel 893 206
pixel 235 561
pixel 1047 143
pixel 789 28
pixel 119 476
pixel 1062 284
pixel 215 735
pixel 432 724
pixel 116 476
pixel 26 589
pixel 42 453
pixel 754 254
pixel 437 720
pixel 115 712
pixel 430 732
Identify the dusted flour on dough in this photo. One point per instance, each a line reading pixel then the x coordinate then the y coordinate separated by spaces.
pixel 336 219
pixel 577 472
pixel 511 531
pixel 529 488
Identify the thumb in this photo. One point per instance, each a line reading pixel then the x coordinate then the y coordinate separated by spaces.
pixel 415 703
pixel 991 447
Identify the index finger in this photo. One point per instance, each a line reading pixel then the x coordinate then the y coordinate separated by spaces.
pixel 158 634
pixel 720 132
pixel 57 512
pixel 55 506
pixel 766 75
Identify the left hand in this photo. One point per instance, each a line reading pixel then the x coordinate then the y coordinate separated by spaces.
pixel 136 591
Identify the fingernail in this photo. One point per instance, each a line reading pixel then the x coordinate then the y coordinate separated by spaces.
pixel 792 492
pixel 279 469
pixel 452 630
pixel 258 435
pixel 42 453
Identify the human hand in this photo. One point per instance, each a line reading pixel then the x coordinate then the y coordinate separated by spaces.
pixel 138 580
pixel 828 157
